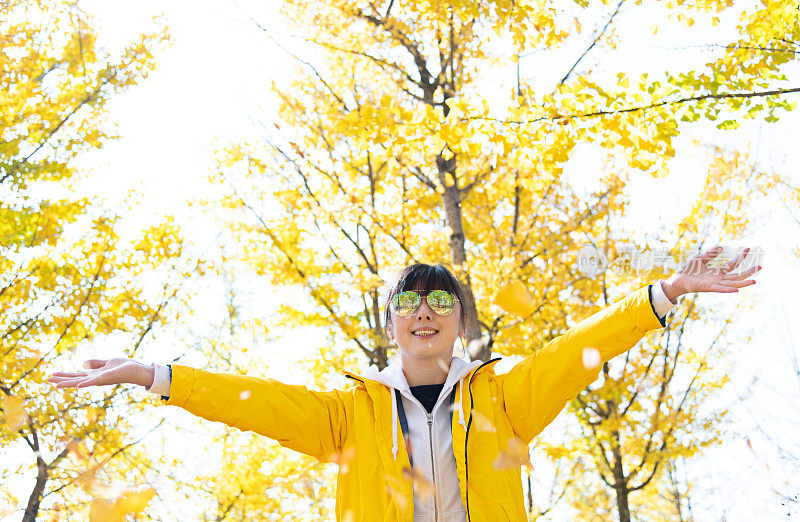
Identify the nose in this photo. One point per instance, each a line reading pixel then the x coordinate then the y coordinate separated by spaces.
pixel 424 311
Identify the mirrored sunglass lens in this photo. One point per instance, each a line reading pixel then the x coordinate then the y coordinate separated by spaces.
pixel 405 302
pixel 441 302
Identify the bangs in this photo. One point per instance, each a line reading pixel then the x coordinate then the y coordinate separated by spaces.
pixel 426 277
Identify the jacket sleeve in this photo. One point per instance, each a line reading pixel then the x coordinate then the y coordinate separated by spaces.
pixel 535 390
pixel 311 422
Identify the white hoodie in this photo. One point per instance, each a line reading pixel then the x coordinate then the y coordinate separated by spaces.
pixel 439 468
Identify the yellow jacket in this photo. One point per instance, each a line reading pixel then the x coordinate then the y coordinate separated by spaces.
pixel 357 424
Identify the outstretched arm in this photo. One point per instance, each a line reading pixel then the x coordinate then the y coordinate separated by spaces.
pixel 307 421
pixel 535 390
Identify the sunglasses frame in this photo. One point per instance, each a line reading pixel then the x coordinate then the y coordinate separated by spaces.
pixel 422 294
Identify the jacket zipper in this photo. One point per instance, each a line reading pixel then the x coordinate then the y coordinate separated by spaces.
pixel 466 436
pixel 433 468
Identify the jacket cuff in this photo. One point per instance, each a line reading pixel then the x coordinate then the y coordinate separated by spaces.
pixel 161 380
pixel 166 397
pixel 659 302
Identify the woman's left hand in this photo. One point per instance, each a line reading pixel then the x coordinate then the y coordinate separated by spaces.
pixel 696 276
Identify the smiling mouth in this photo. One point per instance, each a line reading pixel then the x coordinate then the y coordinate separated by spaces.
pixel 424 334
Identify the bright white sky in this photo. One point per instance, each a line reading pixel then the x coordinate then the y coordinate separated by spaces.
pixel 215 78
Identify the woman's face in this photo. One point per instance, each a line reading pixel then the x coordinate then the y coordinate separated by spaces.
pixel 438 345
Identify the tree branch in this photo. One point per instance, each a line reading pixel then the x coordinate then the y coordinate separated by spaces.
pixel 701 97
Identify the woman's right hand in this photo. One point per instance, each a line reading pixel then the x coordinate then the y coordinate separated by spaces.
pixel 105 372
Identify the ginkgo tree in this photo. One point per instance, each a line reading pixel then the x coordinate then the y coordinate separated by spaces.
pixel 67 276
pixel 253 478
pixel 392 149
pixel 648 410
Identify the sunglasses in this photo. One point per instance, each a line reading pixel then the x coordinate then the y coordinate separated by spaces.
pixel 440 301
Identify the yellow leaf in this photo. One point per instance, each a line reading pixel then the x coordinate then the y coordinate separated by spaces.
pixel 15 415
pixel 516 455
pixel 394 487
pixel 87 479
pixel 75 446
pixel 424 487
pixel 514 298
pixel 343 458
pixel 481 422
pixel 132 501
pixel 7 503
pixel 103 511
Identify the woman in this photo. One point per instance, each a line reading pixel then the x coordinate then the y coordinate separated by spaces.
pixel 398 423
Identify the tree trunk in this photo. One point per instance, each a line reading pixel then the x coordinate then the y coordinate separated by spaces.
pixel 32 510
pixel 458 251
pixel 620 484
pixel 622 503
pixel 530 493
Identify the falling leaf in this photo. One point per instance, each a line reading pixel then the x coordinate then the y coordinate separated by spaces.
pixel 408 444
pixel 7 503
pixel 475 347
pixel 343 458
pixel 515 456
pixel 481 422
pixel 75 447
pixel 103 511
pixel 591 358
pixel 515 298
pixel 129 502
pixel 395 487
pixel 87 479
pixel 132 501
pixel 15 415
pixel 424 487
pixel 244 395
pixel 749 445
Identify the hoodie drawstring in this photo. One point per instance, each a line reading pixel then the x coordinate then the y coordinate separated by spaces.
pixel 394 423
pixel 461 405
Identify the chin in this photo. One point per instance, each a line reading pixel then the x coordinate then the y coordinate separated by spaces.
pixel 429 351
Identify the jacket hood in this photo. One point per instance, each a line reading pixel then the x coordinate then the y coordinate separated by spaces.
pixel 393 377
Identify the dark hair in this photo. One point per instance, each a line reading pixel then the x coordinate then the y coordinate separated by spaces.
pixel 428 277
